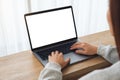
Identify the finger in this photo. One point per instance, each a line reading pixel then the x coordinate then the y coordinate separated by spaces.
pixel 80 45
pixel 67 61
pixel 61 54
pixel 56 52
pixel 52 53
pixel 77 43
pixel 76 47
pixel 80 51
pixel 49 58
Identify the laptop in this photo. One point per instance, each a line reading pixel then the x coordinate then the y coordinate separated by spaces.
pixel 52 30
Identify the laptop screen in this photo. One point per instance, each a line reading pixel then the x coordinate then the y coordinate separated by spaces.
pixel 50 27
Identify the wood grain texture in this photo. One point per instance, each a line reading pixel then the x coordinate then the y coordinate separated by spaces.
pixel 20 66
pixel 24 65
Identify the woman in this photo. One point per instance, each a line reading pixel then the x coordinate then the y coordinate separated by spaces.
pixel 52 70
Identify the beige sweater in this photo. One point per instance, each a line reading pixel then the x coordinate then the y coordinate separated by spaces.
pixel 52 71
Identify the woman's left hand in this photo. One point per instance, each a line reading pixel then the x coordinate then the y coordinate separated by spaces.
pixel 57 57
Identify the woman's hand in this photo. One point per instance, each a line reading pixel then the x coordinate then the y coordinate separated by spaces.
pixel 84 48
pixel 57 57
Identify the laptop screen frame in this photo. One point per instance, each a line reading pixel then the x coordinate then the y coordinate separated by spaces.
pixel 45 11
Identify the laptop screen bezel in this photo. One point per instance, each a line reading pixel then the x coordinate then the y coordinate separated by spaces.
pixel 50 10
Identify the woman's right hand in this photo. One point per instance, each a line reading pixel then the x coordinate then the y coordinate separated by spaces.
pixel 84 48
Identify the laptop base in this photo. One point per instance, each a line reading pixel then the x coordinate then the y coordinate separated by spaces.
pixel 74 58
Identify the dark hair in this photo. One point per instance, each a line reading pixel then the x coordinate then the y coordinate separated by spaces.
pixel 115 16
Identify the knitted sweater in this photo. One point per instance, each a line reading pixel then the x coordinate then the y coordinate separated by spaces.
pixel 52 71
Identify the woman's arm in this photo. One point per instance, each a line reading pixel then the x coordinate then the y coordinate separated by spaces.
pixel 110 73
pixel 56 61
pixel 109 53
pixel 52 71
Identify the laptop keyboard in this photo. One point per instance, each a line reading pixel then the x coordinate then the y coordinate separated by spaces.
pixel 62 48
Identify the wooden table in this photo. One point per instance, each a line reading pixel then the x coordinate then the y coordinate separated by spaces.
pixel 24 65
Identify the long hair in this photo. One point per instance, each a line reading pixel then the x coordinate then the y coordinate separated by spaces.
pixel 115 16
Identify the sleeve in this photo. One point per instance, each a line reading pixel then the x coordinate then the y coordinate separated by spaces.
pixel 110 73
pixel 52 71
pixel 109 53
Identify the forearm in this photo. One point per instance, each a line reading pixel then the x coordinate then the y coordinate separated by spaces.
pixel 52 71
pixel 110 73
pixel 109 53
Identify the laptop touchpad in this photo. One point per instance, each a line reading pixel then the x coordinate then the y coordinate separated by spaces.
pixel 75 57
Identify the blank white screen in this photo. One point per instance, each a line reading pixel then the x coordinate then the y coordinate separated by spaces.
pixel 50 27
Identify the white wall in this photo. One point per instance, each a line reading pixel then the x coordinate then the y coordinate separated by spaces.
pixel 90 15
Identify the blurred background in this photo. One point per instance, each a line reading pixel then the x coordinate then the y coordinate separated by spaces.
pixel 90 17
